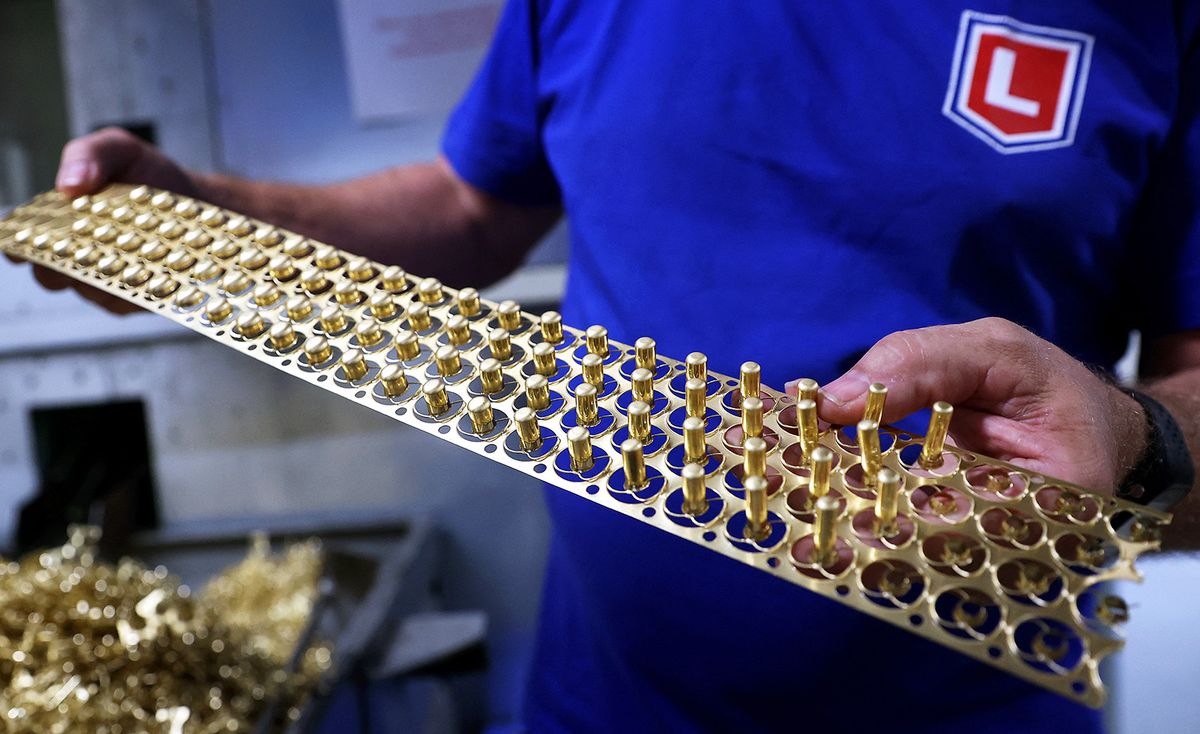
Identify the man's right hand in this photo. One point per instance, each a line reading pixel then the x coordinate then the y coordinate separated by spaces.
pixel 421 216
pixel 95 160
pixel 90 163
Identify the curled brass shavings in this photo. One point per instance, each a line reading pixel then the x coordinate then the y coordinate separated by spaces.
pixel 267 597
pixel 90 646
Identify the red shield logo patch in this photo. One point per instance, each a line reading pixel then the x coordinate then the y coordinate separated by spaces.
pixel 1018 87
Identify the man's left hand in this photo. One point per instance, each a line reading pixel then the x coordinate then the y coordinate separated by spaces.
pixel 1016 397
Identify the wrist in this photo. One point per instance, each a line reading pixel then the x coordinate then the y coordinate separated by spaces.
pixel 210 187
pixel 1164 472
pixel 268 202
pixel 1132 432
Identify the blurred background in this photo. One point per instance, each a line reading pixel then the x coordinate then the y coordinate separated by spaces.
pixel 162 436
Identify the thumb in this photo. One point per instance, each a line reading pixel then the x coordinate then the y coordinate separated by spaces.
pixel 92 161
pixel 843 400
pixel 919 367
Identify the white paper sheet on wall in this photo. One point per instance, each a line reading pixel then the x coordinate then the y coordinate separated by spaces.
pixel 412 57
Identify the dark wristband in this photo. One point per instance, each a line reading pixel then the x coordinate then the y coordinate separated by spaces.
pixel 1165 473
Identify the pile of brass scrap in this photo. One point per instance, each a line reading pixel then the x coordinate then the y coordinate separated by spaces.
pixel 90 646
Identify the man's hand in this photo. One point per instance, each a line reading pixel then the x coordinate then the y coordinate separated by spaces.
pixel 1017 398
pixel 55 281
pixel 90 163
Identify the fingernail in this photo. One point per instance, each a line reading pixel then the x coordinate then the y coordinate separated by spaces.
pixel 75 173
pixel 790 387
pixel 846 389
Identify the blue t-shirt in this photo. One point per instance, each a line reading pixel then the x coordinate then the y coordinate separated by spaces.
pixel 788 182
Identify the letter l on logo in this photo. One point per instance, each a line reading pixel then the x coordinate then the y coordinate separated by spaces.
pixel 999 85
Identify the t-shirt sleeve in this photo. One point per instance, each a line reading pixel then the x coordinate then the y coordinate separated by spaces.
pixel 1169 232
pixel 493 139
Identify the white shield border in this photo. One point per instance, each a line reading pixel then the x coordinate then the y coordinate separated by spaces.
pixel 1079 49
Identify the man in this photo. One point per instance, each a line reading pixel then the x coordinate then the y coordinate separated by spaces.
pixel 791 183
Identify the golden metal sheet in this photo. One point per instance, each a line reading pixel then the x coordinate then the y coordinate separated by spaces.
pixel 955 564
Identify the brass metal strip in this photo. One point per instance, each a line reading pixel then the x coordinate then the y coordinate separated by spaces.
pixel 978 555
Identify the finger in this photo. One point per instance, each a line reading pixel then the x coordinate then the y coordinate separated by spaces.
pixel 107 301
pixel 91 161
pixel 104 299
pixel 50 280
pixel 1017 442
pixel 55 281
pixel 953 363
pixel 994 435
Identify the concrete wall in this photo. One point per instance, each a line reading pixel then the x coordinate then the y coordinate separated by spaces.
pixel 33 115
pixel 134 61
